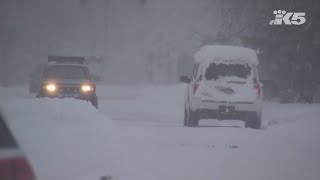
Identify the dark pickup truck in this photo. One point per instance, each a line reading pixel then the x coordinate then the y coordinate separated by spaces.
pixel 68 77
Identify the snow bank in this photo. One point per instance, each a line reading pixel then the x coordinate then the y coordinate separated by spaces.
pixel 225 54
pixel 143 105
pixel 277 115
pixel 69 139
pixel 14 92
pixel 64 138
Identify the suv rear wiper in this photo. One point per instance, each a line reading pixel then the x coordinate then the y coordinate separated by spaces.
pixel 237 82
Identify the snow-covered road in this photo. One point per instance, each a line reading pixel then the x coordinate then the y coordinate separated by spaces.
pixel 137 134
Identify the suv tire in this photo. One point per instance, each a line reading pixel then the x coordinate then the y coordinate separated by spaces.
pixel 185 120
pixel 191 118
pixel 253 121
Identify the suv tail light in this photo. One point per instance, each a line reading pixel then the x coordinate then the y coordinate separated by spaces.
pixel 195 87
pixel 258 89
pixel 16 168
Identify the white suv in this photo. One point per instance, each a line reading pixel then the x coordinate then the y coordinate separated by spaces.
pixel 224 86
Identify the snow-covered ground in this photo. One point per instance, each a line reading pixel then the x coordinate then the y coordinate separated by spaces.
pixel 137 134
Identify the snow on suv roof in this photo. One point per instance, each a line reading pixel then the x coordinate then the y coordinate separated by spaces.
pixel 225 54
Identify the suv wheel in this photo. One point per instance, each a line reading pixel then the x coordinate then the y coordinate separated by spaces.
pixel 253 121
pixel 185 120
pixel 191 118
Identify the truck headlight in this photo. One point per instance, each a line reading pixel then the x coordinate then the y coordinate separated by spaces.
pixel 51 87
pixel 86 88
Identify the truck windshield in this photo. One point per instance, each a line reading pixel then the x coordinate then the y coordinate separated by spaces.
pixel 66 72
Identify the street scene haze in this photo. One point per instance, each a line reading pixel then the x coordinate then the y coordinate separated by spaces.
pixel 159 90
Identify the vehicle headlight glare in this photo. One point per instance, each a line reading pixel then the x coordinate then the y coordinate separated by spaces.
pixel 51 87
pixel 86 88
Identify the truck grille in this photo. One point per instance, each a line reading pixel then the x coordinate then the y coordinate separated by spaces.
pixel 68 90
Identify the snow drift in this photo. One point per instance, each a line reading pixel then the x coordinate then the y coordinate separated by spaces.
pixel 63 138
pixel 68 139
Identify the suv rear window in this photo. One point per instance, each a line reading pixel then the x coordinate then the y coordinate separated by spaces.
pixel 214 71
pixel 6 138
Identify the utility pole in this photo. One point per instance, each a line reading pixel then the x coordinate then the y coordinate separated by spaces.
pixel 3 45
pixel 105 27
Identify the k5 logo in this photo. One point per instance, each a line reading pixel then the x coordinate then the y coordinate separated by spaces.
pixel 297 18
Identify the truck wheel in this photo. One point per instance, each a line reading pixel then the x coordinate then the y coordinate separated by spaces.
pixel 253 121
pixel 39 95
pixel 94 101
pixel 192 118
